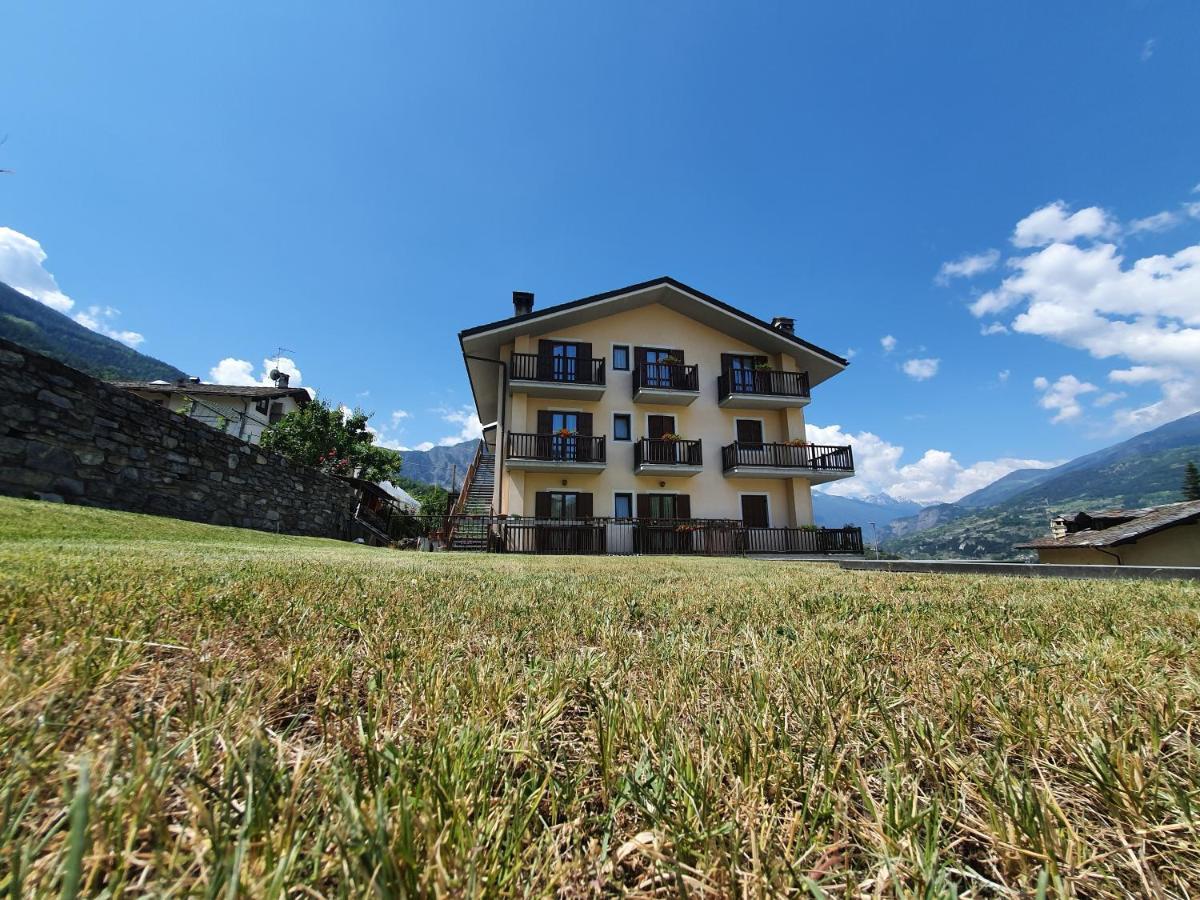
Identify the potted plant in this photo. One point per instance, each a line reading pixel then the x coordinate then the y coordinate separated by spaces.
pixel 671 361
pixel 797 442
pixel 672 437
pixel 565 433
pixel 763 367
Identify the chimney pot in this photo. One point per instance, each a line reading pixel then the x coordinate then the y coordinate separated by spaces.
pixel 786 324
pixel 1058 528
pixel 281 379
pixel 522 303
pixel 193 379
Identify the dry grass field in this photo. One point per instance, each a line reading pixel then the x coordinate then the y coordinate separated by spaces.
pixel 187 710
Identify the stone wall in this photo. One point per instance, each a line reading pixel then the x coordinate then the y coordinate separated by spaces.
pixel 66 436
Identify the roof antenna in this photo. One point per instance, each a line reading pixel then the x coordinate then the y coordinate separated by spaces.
pixel 275 375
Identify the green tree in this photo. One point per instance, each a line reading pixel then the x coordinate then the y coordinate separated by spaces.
pixel 1191 482
pixel 326 438
pixel 434 499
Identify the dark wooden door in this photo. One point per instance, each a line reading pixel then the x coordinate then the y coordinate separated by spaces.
pixel 754 511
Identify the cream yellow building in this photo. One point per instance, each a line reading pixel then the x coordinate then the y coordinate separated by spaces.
pixel 651 402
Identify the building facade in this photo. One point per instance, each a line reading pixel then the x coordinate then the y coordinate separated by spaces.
pixel 242 411
pixel 651 402
pixel 1166 535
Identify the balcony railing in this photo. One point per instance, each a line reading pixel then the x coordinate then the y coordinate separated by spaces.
pixel 762 382
pixel 556 369
pixel 666 377
pixel 667 453
pixel 584 448
pixel 787 456
pixel 704 537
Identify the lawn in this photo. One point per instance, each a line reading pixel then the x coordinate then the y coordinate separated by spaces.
pixel 195 710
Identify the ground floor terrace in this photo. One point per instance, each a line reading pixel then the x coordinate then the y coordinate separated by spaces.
pixel 630 536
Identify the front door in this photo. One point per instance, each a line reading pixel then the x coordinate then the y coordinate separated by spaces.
pixel 754 510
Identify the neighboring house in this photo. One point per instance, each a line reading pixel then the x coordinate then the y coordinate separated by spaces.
pixel 652 403
pixel 242 411
pixel 1155 536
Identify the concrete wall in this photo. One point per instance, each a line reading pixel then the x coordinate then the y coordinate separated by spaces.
pixel 713 495
pixel 67 436
pixel 1178 546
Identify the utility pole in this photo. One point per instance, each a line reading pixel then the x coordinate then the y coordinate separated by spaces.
pixel 875 538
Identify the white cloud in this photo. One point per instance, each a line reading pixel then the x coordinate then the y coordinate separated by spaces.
pixel 1108 398
pixel 1055 222
pixel 425 445
pixel 1062 396
pixel 1147 50
pixel 993 328
pixel 241 372
pixel 1162 221
pixel 888 343
pixel 398 415
pixel 1002 375
pixel 937 477
pixel 1192 209
pixel 21 267
pixel 471 428
pixel 1086 295
pixel 1143 374
pixel 921 369
pixel 851 352
pixel 968 266
pixel 98 319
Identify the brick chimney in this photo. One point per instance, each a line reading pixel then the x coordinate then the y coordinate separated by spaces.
pixel 522 303
pixel 785 324
pixel 1058 528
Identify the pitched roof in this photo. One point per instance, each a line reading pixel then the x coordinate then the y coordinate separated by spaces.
pixel 482 343
pixel 252 392
pixel 641 286
pixel 1120 526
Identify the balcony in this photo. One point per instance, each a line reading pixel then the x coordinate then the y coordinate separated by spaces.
pixel 818 464
pixel 669 384
pixel 564 377
pixel 555 453
pixel 762 389
pixel 673 458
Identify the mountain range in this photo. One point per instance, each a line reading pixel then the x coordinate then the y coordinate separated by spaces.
pixel 443 466
pixel 31 324
pixel 1145 470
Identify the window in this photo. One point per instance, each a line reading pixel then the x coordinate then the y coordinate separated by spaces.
pixel 662 506
pixel 262 406
pixel 276 413
pixel 621 357
pixel 622 427
pixel 563 505
pixel 623 506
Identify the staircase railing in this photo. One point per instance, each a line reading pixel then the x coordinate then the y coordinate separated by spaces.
pixel 460 503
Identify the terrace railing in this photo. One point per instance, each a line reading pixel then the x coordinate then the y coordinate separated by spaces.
pixel 556 447
pixel 600 535
pixel 667 453
pixel 666 376
pixel 768 382
pixel 565 369
pixel 787 456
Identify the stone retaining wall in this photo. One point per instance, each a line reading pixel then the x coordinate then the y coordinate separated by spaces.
pixel 68 437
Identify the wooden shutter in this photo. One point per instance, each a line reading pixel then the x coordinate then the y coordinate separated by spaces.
pixel 544 421
pixel 683 506
pixel 749 431
pixel 583 506
pixel 643 506
pixel 659 425
pixel 639 357
pixel 726 362
pixel 585 423
pixel 678 354
pixel 545 363
pixel 541 504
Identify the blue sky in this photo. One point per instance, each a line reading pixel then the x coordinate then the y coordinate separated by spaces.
pixel 357 182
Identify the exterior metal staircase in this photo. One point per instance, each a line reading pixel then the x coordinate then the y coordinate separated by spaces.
pixel 475 499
